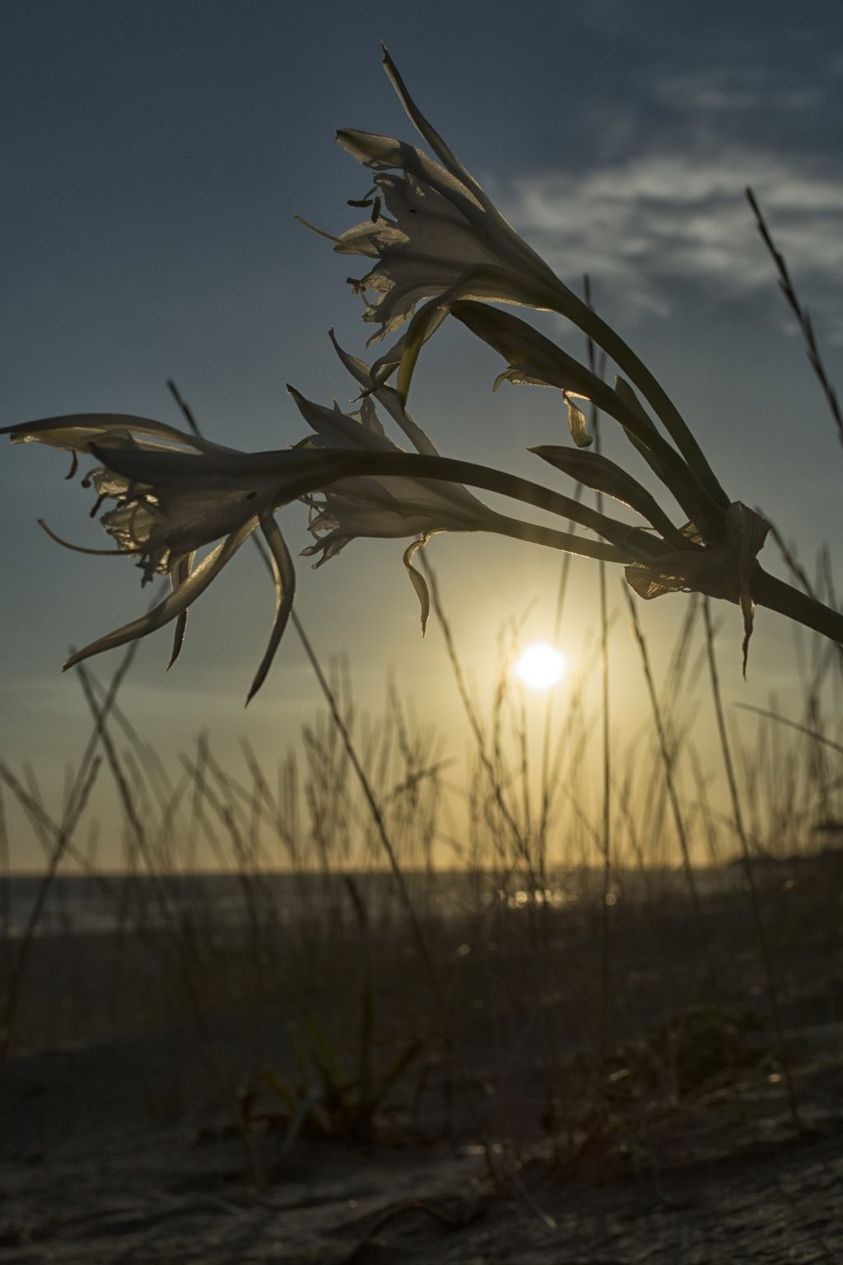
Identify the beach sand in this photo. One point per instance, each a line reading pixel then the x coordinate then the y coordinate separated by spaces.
pixel 127 1134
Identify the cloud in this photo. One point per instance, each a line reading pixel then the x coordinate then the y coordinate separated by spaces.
pixel 736 88
pixel 647 227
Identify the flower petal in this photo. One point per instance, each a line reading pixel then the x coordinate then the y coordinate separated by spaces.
pixel 172 606
pixel 336 428
pixel 284 575
pixel 497 284
pixel 179 573
pixel 78 431
pixel 456 169
pixel 388 397
pixel 442 150
pixel 581 432
pixel 385 153
pixel 417 579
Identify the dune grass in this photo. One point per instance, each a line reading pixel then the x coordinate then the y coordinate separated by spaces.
pixel 378 949
pixel 570 935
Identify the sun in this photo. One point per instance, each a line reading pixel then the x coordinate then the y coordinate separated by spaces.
pixel 540 667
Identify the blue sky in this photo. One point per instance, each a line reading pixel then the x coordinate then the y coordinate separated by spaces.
pixel 155 155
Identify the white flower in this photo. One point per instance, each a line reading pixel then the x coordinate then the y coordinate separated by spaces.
pixel 174 493
pixel 441 238
pixel 382 506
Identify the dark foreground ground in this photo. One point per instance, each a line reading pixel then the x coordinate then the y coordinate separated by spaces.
pixel 147 1129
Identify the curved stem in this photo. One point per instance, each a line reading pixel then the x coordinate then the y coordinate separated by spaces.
pixel 633 542
pixel 626 360
pixel 285 474
pixel 535 533
pixel 777 595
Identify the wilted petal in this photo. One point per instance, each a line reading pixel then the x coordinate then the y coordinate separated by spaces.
pixel 578 423
pixel 417 579
pixel 723 571
pixel 401 291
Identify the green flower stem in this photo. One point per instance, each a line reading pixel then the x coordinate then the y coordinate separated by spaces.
pixel 632 543
pixel 777 595
pixel 303 471
pixel 536 534
pixel 638 373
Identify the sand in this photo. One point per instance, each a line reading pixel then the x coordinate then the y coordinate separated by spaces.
pixel 127 1146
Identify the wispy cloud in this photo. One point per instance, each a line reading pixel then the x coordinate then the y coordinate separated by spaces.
pixel 655 224
pixel 736 88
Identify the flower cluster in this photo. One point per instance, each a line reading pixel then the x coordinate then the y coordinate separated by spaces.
pixel 436 246
pixel 173 493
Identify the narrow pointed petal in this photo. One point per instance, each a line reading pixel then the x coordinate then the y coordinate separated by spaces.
pixel 475 283
pixel 404 354
pixel 284 574
pixel 335 428
pixel 164 467
pixel 199 579
pixel 78 431
pixel 179 573
pixel 417 579
pixel 209 471
pixel 96 553
pixel 441 149
pixel 388 397
pixel 455 168
pixel 320 232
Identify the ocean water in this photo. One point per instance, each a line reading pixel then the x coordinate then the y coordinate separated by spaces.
pixel 101 905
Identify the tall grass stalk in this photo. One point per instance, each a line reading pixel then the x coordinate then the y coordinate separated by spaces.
pixel 668 764
pixel 803 320
pixel 749 873
pixel 606 830
pixel 518 838
pixel 82 789
pixel 79 791
pixel 351 751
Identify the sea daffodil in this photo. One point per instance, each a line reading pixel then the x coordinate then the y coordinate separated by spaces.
pixel 162 515
pixel 383 507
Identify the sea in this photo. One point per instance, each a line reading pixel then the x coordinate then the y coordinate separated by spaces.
pixel 84 904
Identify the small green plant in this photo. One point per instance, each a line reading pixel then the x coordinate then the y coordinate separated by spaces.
pixel 331 1095
pixel 705 1045
pixel 324 1098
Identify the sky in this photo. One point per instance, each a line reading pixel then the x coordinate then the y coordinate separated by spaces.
pixel 155 155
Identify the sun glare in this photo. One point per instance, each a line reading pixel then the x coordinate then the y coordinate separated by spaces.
pixel 540 666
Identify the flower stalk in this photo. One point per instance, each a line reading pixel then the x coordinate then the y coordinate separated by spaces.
pixel 435 245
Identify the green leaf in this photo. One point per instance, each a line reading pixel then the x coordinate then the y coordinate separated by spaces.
pixel 668 467
pixel 598 472
pixel 396 1070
